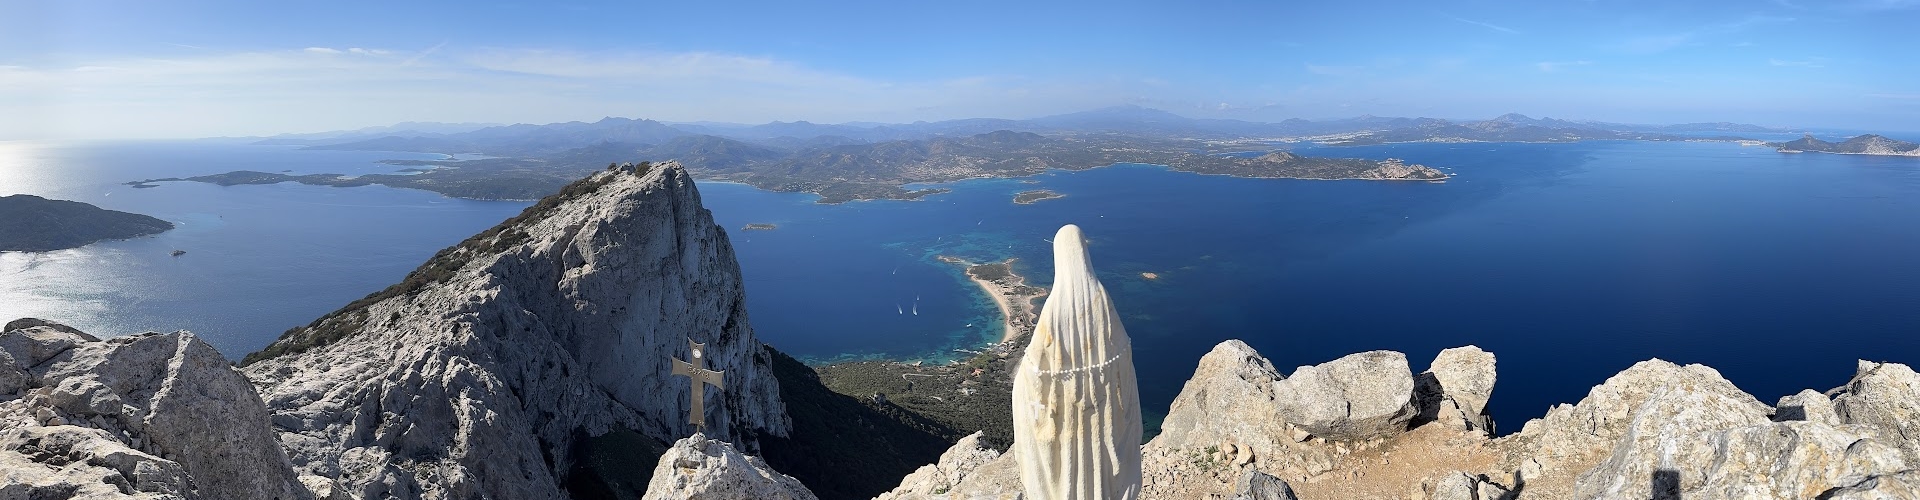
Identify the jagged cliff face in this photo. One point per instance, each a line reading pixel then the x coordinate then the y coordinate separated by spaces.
pixel 476 376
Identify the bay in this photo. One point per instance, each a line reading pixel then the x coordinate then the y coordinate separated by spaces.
pixel 1568 261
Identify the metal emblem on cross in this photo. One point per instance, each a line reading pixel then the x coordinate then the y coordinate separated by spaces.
pixel 699 374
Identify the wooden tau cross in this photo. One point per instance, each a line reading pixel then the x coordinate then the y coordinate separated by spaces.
pixel 698 372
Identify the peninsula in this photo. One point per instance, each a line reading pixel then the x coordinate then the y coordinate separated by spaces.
pixel 30 223
pixel 1035 196
pixel 1010 291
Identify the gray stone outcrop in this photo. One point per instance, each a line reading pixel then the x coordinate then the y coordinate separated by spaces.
pixel 1455 389
pixel 149 415
pixel 698 468
pixel 1884 397
pixel 1808 406
pixel 1256 485
pixel 954 476
pixel 1358 397
pixel 1231 397
pixel 1463 486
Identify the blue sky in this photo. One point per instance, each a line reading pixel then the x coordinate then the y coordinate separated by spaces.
pixel 92 69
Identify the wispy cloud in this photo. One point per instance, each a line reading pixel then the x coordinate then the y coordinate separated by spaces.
pixel 1886 4
pixel 1662 42
pixel 1334 70
pixel 322 88
pixel 1816 62
pixel 1483 24
pixel 1552 66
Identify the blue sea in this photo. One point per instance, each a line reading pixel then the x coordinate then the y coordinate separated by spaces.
pixel 1570 262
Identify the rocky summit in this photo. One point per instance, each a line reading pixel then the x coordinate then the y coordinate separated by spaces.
pixel 558 324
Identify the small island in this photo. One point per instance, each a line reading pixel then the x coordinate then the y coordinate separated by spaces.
pixel 1033 196
pixel 33 224
pixel 1868 144
pixel 759 226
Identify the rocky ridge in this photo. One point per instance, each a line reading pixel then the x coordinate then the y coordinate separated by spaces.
pixel 554 327
pixel 1655 430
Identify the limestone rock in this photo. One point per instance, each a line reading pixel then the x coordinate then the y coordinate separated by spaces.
pixel 1455 389
pixel 1462 486
pixel 1358 397
pixel 1666 437
pixel 1076 405
pixel 698 468
pixel 1885 397
pixel 1572 439
pixel 25 323
pixel 150 407
pixel 1231 397
pixel 945 479
pixel 1901 486
pixel 554 325
pixel 1256 485
pixel 1808 406
pixel 186 400
pixel 13 377
pixel 1794 460
pixel 75 462
pixel 32 345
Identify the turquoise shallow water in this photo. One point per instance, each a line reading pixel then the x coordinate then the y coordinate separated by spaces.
pixel 1568 261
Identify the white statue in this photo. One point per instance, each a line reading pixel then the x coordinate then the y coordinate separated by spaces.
pixel 1076 405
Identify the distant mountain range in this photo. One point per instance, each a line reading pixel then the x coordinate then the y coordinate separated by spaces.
pixel 861 161
pixel 526 140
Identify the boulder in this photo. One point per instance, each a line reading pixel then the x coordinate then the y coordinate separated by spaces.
pixel 944 479
pixel 1256 485
pixel 32 345
pixel 1806 406
pixel 1455 389
pixel 165 412
pixel 75 462
pixel 1231 397
pixel 1462 486
pixel 1358 397
pixel 175 396
pixel 1884 397
pixel 698 468
pixel 25 323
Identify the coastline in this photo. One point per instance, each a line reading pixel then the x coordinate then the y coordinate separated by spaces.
pixel 1009 290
